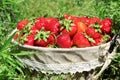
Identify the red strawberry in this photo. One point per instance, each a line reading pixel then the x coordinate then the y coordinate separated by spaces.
pixel 80 40
pixel 51 40
pixel 41 38
pixel 48 19
pixel 103 39
pixel 64 41
pixel 106 22
pixel 67 27
pixel 22 24
pixel 80 26
pixel 30 40
pixel 106 25
pixel 94 20
pixel 53 26
pixel 66 16
pixel 33 30
pixel 91 32
pixel 98 41
pixel 41 22
pixel 41 43
pixel 74 18
pixel 85 20
pixel 71 32
pixel 106 29
pixel 16 36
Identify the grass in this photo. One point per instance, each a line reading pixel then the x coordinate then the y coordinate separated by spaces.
pixel 12 11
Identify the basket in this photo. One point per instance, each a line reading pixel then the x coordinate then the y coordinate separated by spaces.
pixel 63 60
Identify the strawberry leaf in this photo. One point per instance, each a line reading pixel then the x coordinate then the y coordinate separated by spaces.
pixel 97 27
pixel 105 38
pixel 23 39
pixel 66 24
pixel 89 38
pixel 27 28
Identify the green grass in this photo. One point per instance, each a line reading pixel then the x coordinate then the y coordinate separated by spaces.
pixel 12 11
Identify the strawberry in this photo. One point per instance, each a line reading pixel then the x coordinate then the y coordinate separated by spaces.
pixel 103 39
pixel 106 22
pixel 69 17
pixel 16 35
pixel 85 20
pixel 97 42
pixel 22 24
pixel 106 29
pixel 80 40
pixel 33 30
pixel 41 38
pixel 68 27
pixel 92 33
pixel 54 26
pixel 64 41
pixel 51 39
pixel 94 20
pixel 106 25
pixel 30 40
pixel 73 18
pixel 41 22
pixel 80 26
pixel 66 16
pixel 41 43
pixel 48 19
pixel 71 32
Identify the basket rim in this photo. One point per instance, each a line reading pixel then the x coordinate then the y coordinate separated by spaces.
pixel 59 49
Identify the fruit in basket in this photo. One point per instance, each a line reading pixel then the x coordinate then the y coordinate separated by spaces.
pixel 71 32
pixel 90 31
pixel 85 20
pixel 64 41
pixel 95 20
pixel 43 38
pixel 54 26
pixel 80 40
pixel 41 22
pixel 68 27
pixel 22 24
pixel 81 26
pixel 29 40
pixel 106 25
pixel 67 32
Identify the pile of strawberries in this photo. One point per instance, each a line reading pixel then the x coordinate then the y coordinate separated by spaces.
pixel 65 32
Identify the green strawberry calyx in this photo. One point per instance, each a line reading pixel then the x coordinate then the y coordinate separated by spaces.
pixel 106 38
pixel 66 24
pixel 89 38
pixel 42 34
pixel 97 27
